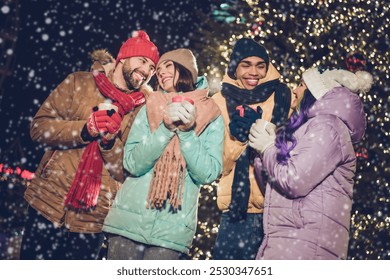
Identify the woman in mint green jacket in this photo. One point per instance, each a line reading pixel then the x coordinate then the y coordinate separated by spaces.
pixel 175 145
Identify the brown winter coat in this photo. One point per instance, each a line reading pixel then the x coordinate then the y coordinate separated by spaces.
pixel 58 124
pixel 234 148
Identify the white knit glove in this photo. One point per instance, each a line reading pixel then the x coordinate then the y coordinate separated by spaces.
pixel 187 116
pixel 179 115
pixel 171 115
pixel 262 135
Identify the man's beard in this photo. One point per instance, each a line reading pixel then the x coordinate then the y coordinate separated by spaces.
pixel 131 83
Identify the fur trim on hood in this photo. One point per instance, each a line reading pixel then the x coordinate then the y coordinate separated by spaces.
pixel 102 58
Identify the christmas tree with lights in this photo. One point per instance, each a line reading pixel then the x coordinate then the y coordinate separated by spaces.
pixel 300 34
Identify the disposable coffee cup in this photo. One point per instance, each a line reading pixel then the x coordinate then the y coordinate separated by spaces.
pixel 241 109
pixel 181 98
pixel 107 106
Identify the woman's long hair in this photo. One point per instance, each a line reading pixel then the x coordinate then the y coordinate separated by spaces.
pixel 185 82
pixel 285 135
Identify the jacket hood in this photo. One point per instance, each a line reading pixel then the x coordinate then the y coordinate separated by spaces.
pixel 346 105
pixel 272 74
pixel 102 60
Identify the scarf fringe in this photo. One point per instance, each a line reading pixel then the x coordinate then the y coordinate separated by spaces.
pixel 168 178
pixel 170 169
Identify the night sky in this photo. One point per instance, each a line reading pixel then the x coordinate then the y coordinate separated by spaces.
pixel 54 38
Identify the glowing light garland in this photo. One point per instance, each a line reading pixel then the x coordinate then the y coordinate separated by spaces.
pixel 301 34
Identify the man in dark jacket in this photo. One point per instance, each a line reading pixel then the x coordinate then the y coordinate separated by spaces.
pixel 81 171
pixel 251 90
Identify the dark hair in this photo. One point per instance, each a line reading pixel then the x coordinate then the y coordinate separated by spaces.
pixel 284 135
pixel 185 82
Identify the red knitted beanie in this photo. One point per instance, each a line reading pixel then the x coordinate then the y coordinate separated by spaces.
pixel 138 45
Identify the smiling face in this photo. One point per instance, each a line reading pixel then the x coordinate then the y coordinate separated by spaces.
pixel 298 94
pixel 167 75
pixel 137 70
pixel 250 70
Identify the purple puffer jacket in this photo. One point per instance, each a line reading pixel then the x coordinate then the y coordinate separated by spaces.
pixel 308 204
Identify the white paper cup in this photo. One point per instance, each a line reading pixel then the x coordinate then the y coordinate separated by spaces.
pixel 107 106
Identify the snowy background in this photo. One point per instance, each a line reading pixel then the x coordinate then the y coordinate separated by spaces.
pixel 43 41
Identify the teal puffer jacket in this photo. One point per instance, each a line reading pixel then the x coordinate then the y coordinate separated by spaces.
pixel 129 215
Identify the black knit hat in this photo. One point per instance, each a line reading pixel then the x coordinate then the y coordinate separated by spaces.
pixel 244 48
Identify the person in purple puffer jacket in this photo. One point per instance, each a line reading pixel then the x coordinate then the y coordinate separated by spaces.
pixel 309 165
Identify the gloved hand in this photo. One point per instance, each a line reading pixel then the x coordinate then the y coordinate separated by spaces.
pixel 240 126
pixel 171 115
pixel 96 122
pixel 113 122
pixel 179 115
pixel 113 125
pixel 187 114
pixel 262 135
pixel 103 121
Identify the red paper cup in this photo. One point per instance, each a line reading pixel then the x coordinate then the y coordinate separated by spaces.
pixel 241 109
pixel 181 98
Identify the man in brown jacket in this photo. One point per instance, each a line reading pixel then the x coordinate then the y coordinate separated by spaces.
pixel 250 90
pixel 81 170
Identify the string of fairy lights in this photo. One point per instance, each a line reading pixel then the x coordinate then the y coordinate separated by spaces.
pixel 315 27
pixel 300 34
pixel 314 33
